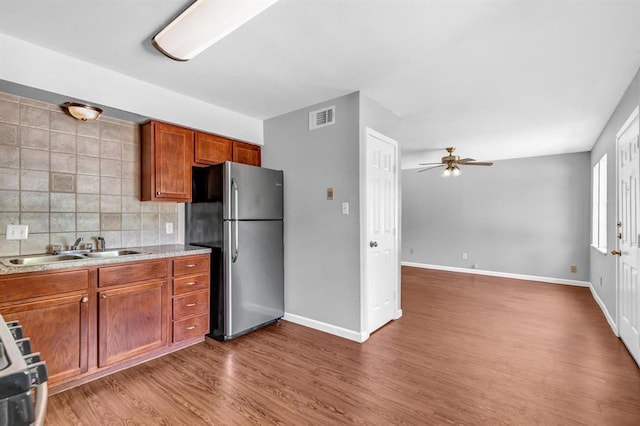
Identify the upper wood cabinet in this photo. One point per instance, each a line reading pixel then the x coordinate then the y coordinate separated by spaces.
pixel 214 149
pixel 168 152
pixel 246 153
pixel 166 158
pixel 211 149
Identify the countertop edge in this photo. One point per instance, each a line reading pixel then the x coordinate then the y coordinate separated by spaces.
pixel 149 253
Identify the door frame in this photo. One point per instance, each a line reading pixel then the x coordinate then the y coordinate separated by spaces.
pixel 622 129
pixel 364 282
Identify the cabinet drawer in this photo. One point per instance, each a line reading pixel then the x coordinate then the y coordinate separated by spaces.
pixel 190 327
pixel 190 304
pixel 192 283
pixel 36 285
pixel 190 265
pixel 131 272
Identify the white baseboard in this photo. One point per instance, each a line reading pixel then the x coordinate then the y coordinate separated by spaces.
pixel 356 336
pixel 609 318
pixel 398 314
pixel 500 274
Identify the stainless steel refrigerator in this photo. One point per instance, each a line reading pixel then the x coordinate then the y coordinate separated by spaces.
pixel 237 211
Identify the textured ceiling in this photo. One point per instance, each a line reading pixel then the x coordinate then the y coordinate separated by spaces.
pixel 495 78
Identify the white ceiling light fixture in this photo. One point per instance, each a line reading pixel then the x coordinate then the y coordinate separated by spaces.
pixel 82 112
pixel 204 23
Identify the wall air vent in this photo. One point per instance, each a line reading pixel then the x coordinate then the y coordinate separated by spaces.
pixel 322 117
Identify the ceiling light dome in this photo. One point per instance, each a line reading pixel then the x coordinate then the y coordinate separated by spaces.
pixel 82 112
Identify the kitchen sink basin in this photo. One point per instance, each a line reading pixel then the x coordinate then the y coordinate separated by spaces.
pixel 41 259
pixel 112 253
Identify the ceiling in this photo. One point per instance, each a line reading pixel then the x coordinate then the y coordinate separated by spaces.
pixel 495 78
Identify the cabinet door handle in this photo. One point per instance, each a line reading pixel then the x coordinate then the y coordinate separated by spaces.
pixel 192 283
pixel 191 327
pixel 104 296
pixel 191 304
pixel 84 299
pixel 158 194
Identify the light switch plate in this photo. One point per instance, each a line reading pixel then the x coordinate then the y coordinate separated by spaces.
pixel 169 227
pixel 17 232
pixel 345 208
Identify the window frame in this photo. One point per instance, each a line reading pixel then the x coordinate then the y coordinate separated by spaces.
pixel 599 205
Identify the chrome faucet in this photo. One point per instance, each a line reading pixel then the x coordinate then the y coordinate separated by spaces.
pixel 101 244
pixel 76 244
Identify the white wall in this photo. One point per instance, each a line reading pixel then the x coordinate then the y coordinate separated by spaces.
pixel 603 266
pixel 33 66
pixel 526 216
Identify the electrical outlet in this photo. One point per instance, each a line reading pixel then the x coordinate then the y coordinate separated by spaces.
pixel 169 227
pixel 574 269
pixel 464 256
pixel 17 232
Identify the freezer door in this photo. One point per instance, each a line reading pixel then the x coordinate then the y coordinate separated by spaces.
pixel 254 274
pixel 252 193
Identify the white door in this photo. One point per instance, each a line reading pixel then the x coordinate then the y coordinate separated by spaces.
pixel 628 158
pixel 381 245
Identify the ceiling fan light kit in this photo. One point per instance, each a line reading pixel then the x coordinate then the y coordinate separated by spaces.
pixel 204 23
pixel 451 164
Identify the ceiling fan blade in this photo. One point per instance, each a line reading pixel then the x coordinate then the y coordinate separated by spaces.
pixel 429 168
pixel 465 160
pixel 480 163
pixel 430 164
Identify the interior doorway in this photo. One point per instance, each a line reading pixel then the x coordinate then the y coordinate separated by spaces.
pixel 382 283
pixel 628 251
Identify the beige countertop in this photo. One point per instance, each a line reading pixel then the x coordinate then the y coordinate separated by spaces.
pixel 148 253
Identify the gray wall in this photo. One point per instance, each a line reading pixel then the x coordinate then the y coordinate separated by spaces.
pixel 526 216
pixel 603 266
pixel 322 257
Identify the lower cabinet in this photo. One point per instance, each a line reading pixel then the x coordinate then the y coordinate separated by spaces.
pixel 132 320
pixel 53 310
pixel 88 322
pixel 58 330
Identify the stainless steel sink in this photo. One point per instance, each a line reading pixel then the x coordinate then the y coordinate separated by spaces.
pixel 112 253
pixel 40 259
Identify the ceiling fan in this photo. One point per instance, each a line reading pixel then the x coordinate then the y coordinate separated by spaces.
pixel 452 162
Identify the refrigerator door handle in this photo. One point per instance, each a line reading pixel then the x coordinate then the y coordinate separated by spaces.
pixel 236 248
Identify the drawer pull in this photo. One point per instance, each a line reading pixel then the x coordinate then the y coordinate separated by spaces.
pixel 191 304
pixel 84 299
pixel 192 283
pixel 191 265
pixel 191 327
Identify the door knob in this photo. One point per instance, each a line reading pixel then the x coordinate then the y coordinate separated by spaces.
pixel 373 244
pixel 616 252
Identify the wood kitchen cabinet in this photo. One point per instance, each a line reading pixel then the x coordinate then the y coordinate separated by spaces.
pixel 53 310
pixel 91 321
pixel 166 159
pixel 132 310
pixel 132 321
pixel 247 153
pixel 168 152
pixel 190 317
pixel 211 149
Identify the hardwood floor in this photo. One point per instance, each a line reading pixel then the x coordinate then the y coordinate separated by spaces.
pixel 469 350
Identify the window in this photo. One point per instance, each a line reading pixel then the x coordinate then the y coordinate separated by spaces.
pixel 599 208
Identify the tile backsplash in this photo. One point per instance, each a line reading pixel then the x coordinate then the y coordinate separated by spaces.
pixel 66 178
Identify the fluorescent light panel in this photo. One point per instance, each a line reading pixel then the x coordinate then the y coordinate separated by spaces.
pixel 204 23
